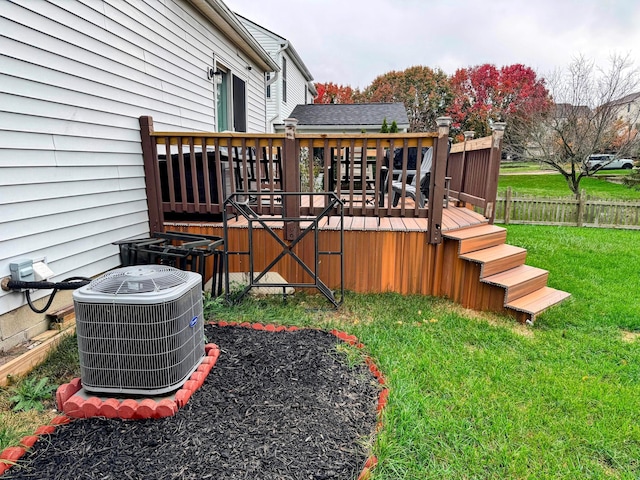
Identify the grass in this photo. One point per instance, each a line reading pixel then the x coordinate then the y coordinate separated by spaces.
pixel 521 167
pixel 554 185
pixel 477 396
pixel 60 366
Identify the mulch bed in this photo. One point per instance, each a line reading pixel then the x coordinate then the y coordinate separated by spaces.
pixel 275 406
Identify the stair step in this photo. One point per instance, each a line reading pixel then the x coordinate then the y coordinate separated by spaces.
pixel 497 259
pixel 519 281
pixel 477 238
pixel 538 301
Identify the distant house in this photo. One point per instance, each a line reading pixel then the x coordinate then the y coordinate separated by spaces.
pixel 292 85
pixel 74 79
pixel 628 109
pixel 348 117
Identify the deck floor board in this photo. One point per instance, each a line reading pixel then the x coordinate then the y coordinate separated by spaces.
pixel 453 219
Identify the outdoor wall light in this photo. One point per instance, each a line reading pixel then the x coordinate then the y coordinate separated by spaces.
pixel 215 75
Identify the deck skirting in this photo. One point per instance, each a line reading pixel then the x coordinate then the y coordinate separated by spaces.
pixel 472 265
pixel 394 256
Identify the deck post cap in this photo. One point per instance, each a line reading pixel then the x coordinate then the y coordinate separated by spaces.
pixel 444 121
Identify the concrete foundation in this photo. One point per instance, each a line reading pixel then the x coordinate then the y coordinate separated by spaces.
pixel 19 326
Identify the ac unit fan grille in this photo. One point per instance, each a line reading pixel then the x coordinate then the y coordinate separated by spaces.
pixel 139 279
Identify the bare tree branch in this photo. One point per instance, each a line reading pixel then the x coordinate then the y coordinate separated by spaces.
pixel 587 118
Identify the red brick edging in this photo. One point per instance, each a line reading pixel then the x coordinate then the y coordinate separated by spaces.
pixel 74 406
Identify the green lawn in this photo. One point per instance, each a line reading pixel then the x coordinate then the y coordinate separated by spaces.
pixel 522 167
pixel 478 396
pixel 554 185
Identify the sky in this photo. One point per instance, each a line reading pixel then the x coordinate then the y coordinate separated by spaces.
pixel 350 42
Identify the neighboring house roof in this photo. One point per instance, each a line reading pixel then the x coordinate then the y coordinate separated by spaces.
pixel 632 97
pixel 288 47
pixel 351 114
pixel 563 110
pixel 231 26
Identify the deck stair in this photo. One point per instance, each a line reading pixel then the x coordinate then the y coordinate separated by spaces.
pixel 526 293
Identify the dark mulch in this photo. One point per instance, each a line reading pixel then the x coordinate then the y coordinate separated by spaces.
pixel 275 406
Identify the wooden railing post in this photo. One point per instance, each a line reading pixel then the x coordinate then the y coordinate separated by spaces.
pixel 291 183
pixel 493 174
pixel 438 174
pixel 152 176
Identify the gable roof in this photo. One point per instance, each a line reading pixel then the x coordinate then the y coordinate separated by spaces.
pixel 231 26
pixel 351 114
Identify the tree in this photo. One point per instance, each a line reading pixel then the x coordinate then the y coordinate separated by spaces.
pixel 425 93
pixel 330 92
pixel 485 94
pixel 385 126
pixel 585 119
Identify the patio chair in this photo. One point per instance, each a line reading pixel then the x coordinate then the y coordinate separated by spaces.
pixel 410 189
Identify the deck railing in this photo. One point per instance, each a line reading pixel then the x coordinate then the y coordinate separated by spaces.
pixel 190 174
pixel 474 168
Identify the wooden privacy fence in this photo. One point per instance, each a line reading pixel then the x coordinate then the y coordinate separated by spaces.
pixel 582 211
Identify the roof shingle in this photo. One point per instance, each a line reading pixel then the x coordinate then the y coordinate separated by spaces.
pixel 351 114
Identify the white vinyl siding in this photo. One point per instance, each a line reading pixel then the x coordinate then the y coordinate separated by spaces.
pixel 296 86
pixel 277 107
pixel 75 76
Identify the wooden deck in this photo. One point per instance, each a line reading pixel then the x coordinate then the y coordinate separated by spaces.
pixel 440 249
pixel 453 218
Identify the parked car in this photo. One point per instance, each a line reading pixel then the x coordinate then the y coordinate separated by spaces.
pixel 608 161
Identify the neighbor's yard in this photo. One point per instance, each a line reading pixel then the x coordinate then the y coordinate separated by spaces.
pixel 477 396
pixel 553 184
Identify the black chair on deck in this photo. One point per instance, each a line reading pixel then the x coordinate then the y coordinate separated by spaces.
pixel 417 190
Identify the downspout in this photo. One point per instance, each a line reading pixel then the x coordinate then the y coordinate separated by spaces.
pixel 283 47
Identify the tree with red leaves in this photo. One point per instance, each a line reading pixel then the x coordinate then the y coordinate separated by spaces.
pixel 330 92
pixel 484 94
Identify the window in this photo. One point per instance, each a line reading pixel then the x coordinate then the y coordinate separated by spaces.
pixel 239 105
pixel 222 102
pixel 268 86
pixel 231 103
pixel 284 80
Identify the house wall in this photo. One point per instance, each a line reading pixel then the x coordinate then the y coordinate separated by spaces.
pixel 74 78
pixel 277 108
pixel 271 44
pixel 630 113
pixel 296 86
